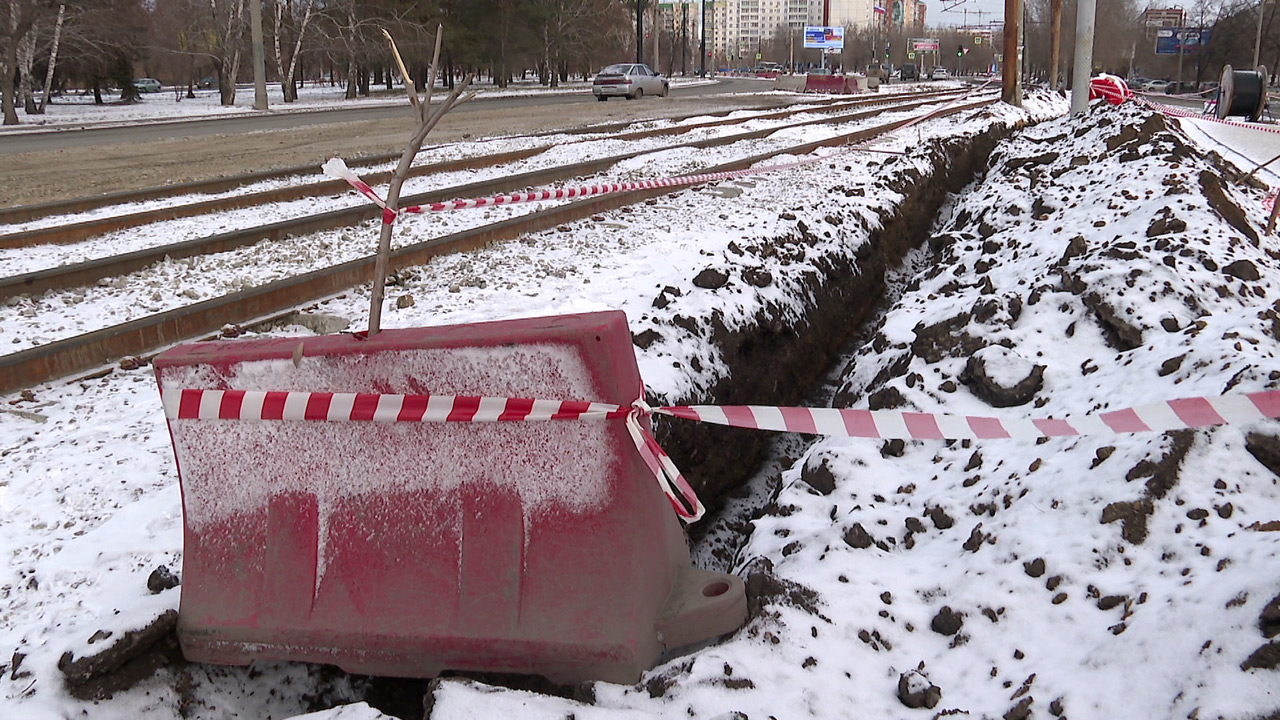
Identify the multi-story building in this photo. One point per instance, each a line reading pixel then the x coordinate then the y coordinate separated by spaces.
pixel 851 13
pixel 738 30
pixel 860 13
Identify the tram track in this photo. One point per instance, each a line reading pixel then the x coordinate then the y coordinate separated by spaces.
pixel 83 352
pixel 65 233
pixel 82 273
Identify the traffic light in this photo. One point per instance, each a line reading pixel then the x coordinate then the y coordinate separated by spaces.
pixel 960 50
pixel 886 51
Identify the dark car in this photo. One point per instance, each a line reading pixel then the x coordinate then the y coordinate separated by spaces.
pixel 910 71
pixel 1176 88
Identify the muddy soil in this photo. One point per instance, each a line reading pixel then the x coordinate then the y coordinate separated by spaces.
pixel 39 177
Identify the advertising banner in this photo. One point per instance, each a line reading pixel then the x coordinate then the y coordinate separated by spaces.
pixel 924 44
pixel 1189 40
pixel 824 37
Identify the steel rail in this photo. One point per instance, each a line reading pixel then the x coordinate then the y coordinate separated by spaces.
pixel 75 232
pixel 92 350
pixel 89 271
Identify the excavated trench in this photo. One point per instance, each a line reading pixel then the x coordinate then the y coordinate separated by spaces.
pixel 769 361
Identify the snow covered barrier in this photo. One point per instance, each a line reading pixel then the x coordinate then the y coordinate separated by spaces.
pixel 403 548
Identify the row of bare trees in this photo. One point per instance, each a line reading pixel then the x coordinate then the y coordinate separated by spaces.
pixel 47 46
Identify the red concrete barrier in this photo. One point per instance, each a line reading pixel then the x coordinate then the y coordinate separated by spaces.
pixel 833 84
pixel 407 548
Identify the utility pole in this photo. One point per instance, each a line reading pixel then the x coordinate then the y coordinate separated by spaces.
pixel 1011 93
pixel 1085 15
pixel 1055 41
pixel 703 52
pixel 259 56
pixel 684 39
pixel 639 31
pixel 657 36
pixel 1257 42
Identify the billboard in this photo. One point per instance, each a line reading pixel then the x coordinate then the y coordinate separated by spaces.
pixel 924 44
pixel 1189 40
pixel 824 37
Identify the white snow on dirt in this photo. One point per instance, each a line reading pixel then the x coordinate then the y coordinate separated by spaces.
pixel 1099 577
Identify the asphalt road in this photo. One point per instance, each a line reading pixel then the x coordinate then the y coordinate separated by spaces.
pixel 89 137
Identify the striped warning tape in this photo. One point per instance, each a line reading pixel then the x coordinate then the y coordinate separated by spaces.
pixel 894 424
pixel 188 404
pixel 1184 113
pixel 337 168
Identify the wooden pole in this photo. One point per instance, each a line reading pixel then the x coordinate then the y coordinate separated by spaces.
pixel 1055 41
pixel 1010 92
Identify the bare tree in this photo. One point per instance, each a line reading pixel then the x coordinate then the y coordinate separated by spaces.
pixel 53 58
pixel 287 86
pixel 17 18
pixel 227 23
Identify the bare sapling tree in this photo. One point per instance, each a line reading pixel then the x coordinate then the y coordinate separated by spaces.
pixel 427 119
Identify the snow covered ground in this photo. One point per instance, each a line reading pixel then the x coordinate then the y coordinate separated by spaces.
pixel 1097 577
pixel 77 109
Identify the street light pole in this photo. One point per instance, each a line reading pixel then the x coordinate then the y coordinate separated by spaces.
pixel 703 52
pixel 1257 42
pixel 1086 14
pixel 259 56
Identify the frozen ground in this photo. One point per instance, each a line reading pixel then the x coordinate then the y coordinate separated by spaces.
pixel 1119 576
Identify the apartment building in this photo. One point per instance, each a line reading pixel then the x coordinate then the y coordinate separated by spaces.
pixel 737 30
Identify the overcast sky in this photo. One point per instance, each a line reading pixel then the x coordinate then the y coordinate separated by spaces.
pixel 979 11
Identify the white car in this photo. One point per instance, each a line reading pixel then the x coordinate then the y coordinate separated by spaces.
pixel 147 85
pixel 939 73
pixel 628 80
pixel 1156 86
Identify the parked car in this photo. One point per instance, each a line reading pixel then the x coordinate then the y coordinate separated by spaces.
pixel 1156 86
pixel 205 83
pixel 939 73
pixel 910 71
pixel 147 85
pixel 1174 88
pixel 879 72
pixel 628 80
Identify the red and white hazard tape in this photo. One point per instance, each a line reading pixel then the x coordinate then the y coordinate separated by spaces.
pixel 894 424
pixel 881 424
pixel 336 168
pixel 374 407
pixel 1184 113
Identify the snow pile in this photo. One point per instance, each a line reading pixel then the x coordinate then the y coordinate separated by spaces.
pixel 1124 576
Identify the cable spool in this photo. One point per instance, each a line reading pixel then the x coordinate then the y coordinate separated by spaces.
pixel 1242 92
